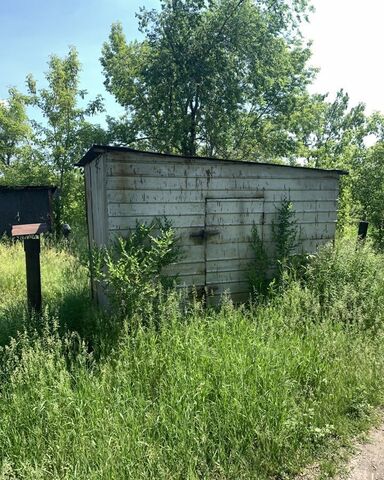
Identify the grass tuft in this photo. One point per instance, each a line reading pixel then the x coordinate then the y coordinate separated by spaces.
pixel 239 393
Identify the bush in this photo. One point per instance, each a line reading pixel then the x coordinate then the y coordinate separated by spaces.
pixel 349 279
pixel 131 270
pixel 268 271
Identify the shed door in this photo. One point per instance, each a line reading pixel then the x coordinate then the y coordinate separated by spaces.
pixel 228 252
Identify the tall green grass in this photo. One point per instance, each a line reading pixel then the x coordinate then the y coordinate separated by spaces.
pixel 240 393
pixel 65 288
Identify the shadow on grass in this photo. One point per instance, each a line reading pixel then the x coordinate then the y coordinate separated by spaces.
pixel 74 311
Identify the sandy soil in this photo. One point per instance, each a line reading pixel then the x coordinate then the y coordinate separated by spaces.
pixel 368 461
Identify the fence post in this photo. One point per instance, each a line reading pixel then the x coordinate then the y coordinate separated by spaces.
pixel 32 261
pixel 363 229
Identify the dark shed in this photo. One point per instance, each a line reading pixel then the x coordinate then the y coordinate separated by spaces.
pixel 23 205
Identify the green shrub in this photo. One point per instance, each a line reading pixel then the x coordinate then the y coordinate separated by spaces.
pixel 258 272
pixel 284 233
pixel 131 270
pixel 349 278
pixel 268 271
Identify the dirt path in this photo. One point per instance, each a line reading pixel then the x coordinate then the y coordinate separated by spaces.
pixel 368 461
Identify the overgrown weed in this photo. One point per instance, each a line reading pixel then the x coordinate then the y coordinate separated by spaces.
pixel 65 289
pixel 240 392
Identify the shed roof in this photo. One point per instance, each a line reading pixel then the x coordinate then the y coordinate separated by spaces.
pixel 97 150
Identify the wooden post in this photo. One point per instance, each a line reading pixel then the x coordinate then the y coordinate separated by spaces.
pixel 362 232
pixel 32 261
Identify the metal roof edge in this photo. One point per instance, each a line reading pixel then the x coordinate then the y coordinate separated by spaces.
pixel 97 150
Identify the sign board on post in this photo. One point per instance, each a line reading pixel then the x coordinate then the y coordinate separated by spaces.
pixel 32 261
pixel 25 205
pixel 26 213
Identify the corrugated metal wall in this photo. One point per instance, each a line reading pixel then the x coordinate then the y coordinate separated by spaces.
pixel 223 198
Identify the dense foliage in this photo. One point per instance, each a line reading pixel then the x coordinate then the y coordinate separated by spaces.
pixel 131 271
pixel 15 130
pixel 368 188
pixel 254 392
pixel 44 152
pixel 225 78
pixel 219 78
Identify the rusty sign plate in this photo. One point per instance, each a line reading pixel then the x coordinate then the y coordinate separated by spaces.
pixel 29 229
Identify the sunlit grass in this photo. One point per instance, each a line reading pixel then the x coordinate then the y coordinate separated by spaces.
pixel 240 393
pixel 65 287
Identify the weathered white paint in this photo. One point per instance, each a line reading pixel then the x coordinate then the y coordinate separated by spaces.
pixel 96 200
pixel 177 196
pixel 212 184
pixel 226 198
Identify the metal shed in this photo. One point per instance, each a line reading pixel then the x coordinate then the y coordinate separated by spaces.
pixel 212 205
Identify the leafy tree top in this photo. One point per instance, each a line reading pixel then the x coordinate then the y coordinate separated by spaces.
pixel 214 77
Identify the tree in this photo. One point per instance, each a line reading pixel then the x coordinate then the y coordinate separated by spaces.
pixel 15 129
pixel 368 188
pixel 331 134
pixel 66 132
pixel 217 77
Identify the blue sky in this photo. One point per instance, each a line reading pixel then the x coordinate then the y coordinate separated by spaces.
pixel 347 35
pixel 31 30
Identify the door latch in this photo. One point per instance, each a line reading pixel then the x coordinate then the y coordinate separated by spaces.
pixel 204 234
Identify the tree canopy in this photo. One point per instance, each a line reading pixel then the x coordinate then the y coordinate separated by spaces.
pixel 45 151
pixel 15 130
pixel 218 77
pixel 66 132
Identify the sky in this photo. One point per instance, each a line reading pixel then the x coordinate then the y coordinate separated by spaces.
pixel 347 44
pixel 348 39
pixel 32 30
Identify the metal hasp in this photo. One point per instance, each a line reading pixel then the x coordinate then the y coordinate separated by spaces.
pixel 204 234
pixel 32 261
pixel 202 197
